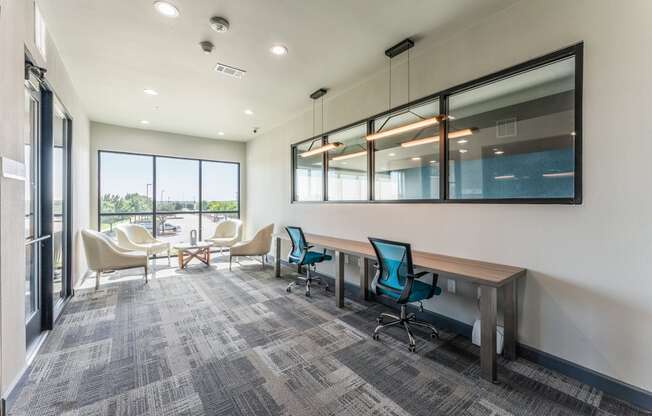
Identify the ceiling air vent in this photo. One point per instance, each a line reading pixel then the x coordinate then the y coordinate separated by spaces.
pixel 506 128
pixel 229 71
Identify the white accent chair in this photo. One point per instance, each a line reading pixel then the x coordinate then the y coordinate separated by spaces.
pixel 136 238
pixel 260 245
pixel 227 233
pixel 103 254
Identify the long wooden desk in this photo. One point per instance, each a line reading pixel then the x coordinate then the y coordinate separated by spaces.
pixel 489 276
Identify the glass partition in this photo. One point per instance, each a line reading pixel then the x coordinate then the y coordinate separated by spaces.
pixel 347 165
pixel 406 160
pixel 308 172
pixel 511 136
pixel 515 138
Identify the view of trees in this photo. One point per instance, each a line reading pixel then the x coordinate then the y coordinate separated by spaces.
pixel 135 202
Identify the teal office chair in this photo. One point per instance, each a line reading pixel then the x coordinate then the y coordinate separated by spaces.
pixel 395 279
pixel 302 256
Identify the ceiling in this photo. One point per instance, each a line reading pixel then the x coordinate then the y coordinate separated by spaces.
pixel 113 50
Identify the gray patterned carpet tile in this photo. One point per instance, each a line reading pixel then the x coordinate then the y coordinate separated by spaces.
pixel 206 341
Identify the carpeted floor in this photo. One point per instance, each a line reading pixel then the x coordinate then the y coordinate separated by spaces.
pixel 214 342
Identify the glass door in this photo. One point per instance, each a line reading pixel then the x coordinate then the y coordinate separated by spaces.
pixel 34 239
pixel 61 129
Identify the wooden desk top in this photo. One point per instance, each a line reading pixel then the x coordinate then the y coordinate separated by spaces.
pixel 481 272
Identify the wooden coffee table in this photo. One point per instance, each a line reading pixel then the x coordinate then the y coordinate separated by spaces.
pixel 200 251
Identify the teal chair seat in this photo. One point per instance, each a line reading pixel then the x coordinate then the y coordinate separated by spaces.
pixel 420 291
pixel 311 257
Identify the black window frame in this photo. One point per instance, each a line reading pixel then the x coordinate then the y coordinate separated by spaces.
pixel 153 213
pixel 576 51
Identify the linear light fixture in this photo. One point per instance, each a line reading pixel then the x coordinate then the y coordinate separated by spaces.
pixel 419 142
pixel 460 133
pixel 452 135
pixel 350 155
pixel 322 149
pixel 558 175
pixel 409 127
pixel 504 177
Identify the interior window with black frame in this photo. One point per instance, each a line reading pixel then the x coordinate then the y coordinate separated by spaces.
pixel 347 165
pixel 406 157
pixel 515 138
pixel 308 171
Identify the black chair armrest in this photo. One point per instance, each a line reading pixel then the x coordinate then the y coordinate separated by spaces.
pixel 419 275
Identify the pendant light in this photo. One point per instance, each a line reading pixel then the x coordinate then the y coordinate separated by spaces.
pixel 424 122
pixel 325 148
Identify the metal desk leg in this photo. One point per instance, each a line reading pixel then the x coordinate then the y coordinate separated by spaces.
pixel 488 312
pixel 339 279
pixel 277 258
pixel 364 278
pixel 509 312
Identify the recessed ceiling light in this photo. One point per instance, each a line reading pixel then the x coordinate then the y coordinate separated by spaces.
pixel 432 161
pixel 166 9
pixel 279 50
pixel 463 150
pixel 462 141
pixel 220 133
pixel 392 154
pixel 149 91
pixel 416 158
pixel 144 121
pixel 498 152
pixel 248 112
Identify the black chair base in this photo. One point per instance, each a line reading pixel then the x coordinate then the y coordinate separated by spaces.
pixel 307 281
pixel 386 320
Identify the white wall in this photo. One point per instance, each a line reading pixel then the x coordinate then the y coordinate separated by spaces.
pixel 587 294
pixel 125 139
pixel 17 34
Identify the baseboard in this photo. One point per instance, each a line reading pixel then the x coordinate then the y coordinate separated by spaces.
pixel 615 388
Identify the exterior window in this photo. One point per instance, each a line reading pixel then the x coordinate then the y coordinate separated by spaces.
pixel 129 191
pixel 515 138
pixel 347 165
pixel 177 185
pixel 39 32
pixel 126 183
pixel 407 163
pixel 308 173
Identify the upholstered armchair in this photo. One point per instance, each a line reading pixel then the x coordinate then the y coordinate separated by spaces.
pixel 257 246
pixel 103 254
pixel 227 233
pixel 137 238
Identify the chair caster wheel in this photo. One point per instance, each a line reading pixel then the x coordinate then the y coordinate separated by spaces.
pixel 434 335
pixel 326 288
pixel 375 337
pixel 288 289
pixel 379 320
pixel 307 294
pixel 412 348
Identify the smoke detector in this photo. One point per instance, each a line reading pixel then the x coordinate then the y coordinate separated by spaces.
pixel 229 71
pixel 206 46
pixel 219 24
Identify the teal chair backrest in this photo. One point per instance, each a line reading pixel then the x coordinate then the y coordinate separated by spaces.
pixel 298 242
pixel 394 263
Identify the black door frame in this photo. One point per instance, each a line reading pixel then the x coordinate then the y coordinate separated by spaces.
pixel 51 305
